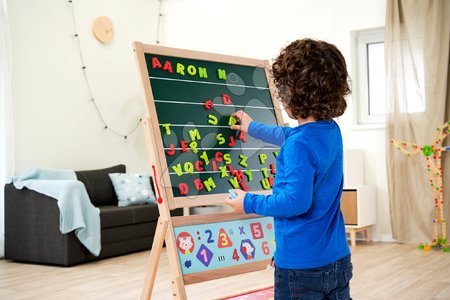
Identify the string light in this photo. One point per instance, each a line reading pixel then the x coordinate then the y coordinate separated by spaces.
pixel 160 15
pixel 84 68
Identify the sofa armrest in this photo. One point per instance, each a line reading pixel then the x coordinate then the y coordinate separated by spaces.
pixel 32 230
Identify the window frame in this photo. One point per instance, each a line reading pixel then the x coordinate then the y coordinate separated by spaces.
pixel 360 83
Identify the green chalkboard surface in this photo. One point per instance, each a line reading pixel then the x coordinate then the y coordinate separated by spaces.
pixel 194 99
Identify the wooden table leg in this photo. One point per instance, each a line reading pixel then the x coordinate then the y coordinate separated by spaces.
pixel 353 237
pixel 367 234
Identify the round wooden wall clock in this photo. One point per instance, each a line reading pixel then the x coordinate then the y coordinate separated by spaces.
pixel 103 29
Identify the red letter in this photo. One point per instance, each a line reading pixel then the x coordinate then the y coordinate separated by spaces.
pixel 214 165
pixel 184 146
pixel 198 165
pixel 230 168
pixel 232 142
pixel 208 104
pixel 184 189
pixel 155 63
pixel 242 136
pixel 226 99
pixel 271 181
pixel 272 169
pixel 198 184
pixel 167 66
pixel 218 156
pixel 239 175
pixel 171 151
pixel 243 186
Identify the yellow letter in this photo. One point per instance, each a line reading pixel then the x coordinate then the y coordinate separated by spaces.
pixel 189 167
pixel 234 182
pixel 265 184
pixel 209 184
pixel 223 172
pixel 249 175
pixel 220 139
pixel 195 134
pixel 264 171
pixel 212 120
pixel 262 158
pixel 193 146
pixel 243 161
pixel 227 158
pixel 191 70
pixel 177 169
pixel 204 156
pixel 180 69
pixel 167 127
pixel 221 74
pixel 202 72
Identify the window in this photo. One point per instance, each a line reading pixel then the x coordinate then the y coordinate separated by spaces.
pixel 369 87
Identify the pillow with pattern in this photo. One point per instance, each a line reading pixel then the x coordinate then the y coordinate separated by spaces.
pixel 132 189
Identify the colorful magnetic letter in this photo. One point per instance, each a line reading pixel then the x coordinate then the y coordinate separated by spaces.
pixel 167 128
pixel 262 158
pixel 209 184
pixel 171 151
pixel 183 188
pixel 167 66
pixel 212 120
pixel 243 161
pixel 208 104
pixel 221 74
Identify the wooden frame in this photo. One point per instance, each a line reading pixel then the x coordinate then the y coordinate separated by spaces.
pixel 166 223
pixel 152 131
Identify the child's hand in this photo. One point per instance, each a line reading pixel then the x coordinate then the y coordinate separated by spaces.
pixel 244 120
pixel 237 204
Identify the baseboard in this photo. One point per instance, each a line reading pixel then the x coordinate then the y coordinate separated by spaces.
pixel 385 238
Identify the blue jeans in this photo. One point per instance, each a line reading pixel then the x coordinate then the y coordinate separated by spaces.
pixel 327 282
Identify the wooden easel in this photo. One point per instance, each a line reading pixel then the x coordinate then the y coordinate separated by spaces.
pixel 166 200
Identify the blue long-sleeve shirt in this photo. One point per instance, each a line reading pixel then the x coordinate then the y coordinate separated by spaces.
pixel 305 203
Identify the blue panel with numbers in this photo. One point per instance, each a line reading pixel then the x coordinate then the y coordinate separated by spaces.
pixel 218 245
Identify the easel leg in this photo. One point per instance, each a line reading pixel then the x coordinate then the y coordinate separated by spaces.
pixel 153 260
pixel 178 288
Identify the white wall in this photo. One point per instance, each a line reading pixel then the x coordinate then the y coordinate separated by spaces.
pixel 57 126
pixel 56 123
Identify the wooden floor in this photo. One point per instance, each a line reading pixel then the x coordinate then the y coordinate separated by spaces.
pixel 381 271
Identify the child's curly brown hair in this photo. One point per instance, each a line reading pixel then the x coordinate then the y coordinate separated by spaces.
pixel 312 79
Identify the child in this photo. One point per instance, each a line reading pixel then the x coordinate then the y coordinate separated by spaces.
pixel 312 260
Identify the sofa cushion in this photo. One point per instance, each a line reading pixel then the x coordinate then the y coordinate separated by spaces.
pixel 113 216
pixel 99 186
pixel 132 189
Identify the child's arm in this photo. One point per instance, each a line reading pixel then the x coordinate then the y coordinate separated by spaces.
pixel 295 198
pixel 272 134
pixel 268 133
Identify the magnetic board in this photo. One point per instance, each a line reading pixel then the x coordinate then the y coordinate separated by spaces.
pixel 190 97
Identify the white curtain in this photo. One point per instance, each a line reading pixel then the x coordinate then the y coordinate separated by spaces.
pixel 6 115
pixel 417 41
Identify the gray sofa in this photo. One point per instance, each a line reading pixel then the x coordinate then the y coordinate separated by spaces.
pixel 32 224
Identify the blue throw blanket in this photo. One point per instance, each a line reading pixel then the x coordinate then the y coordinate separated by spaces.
pixel 76 210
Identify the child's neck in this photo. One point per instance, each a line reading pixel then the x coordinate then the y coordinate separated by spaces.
pixel 302 121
